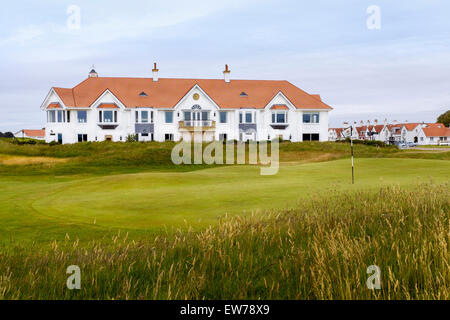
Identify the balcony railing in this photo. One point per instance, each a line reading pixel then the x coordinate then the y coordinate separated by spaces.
pixel 197 123
pixel 201 124
pixel 108 125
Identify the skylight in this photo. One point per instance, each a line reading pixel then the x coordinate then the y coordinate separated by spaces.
pixel 142 94
pixel 243 94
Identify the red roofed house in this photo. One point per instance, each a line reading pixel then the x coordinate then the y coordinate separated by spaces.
pixel 434 134
pixel 105 108
pixel 31 134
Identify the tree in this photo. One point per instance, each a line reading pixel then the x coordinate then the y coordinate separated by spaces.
pixel 6 135
pixel 444 118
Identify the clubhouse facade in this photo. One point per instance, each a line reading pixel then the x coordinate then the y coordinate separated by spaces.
pixel 161 109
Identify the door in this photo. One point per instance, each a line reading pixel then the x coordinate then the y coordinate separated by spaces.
pixel 108 138
pixel 60 138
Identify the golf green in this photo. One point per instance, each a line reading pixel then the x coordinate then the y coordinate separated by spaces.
pixel 36 208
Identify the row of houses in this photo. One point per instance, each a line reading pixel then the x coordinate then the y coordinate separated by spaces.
pixel 395 133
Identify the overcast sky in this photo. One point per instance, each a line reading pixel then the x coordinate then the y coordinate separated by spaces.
pixel 400 71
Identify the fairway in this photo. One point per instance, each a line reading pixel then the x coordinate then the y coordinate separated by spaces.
pixel 44 208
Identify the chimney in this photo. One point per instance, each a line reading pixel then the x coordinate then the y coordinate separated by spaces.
pixel 93 73
pixel 155 73
pixel 226 74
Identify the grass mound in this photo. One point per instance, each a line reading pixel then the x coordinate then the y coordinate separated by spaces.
pixel 320 250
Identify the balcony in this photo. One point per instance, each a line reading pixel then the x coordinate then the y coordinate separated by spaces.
pixel 279 125
pixel 201 125
pixel 247 127
pixel 108 125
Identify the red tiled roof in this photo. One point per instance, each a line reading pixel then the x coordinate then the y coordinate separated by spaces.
pixel 377 128
pixel 166 93
pixel 108 106
pixel 34 133
pixel 279 107
pixel 411 126
pixel 436 131
pixel 54 106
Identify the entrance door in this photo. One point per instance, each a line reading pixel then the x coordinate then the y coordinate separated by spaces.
pixel 60 138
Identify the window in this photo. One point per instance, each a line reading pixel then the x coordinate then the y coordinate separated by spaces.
pixel 431 139
pixel 310 118
pixel 310 137
pixel 60 116
pixel 68 116
pixel 222 137
pixel 82 116
pixel 223 117
pixel 204 115
pixel 144 116
pixel 168 137
pixel 279 117
pixel 136 116
pixel 187 115
pixel 144 134
pixel 51 116
pixel 82 138
pixel 169 116
pixel 248 117
pixel 107 116
pixel 240 117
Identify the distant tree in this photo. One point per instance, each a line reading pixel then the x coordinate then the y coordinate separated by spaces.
pixel 6 135
pixel 444 118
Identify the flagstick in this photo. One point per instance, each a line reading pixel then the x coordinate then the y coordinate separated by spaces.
pixel 351 143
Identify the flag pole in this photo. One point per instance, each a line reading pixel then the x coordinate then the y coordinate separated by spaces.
pixel 351 143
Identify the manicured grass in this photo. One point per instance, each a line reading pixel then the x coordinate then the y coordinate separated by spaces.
pixel 44 208
pixel 319 250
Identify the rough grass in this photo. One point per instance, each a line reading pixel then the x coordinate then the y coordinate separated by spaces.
pixel 26 160
pixel 320 250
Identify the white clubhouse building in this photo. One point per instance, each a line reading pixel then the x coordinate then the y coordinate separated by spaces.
pixel 161 109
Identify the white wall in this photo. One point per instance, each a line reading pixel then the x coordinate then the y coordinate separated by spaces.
pixel 126 121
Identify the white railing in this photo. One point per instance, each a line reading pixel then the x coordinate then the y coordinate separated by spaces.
pixel 197 123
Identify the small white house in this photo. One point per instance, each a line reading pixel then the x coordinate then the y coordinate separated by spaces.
pixel 161 109
pixel 31 134
pixel 434 134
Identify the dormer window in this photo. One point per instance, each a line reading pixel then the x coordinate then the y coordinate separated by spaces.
pixel 243 94
pixel 142 94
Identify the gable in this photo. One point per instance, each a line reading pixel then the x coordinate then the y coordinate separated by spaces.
pixel 52 100
pixel 197 97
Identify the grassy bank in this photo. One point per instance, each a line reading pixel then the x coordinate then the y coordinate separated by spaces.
pixel 105 158
pixel 319 250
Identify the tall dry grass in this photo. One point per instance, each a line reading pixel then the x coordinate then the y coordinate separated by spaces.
pixel 319 251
